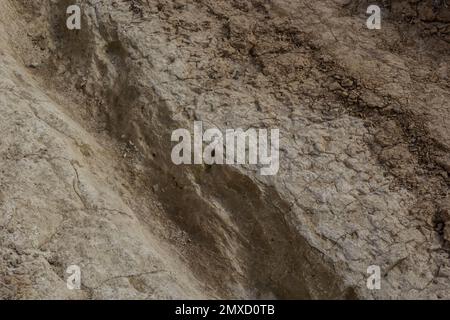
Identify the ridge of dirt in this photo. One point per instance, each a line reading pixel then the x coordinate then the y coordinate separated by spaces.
pixel 364 172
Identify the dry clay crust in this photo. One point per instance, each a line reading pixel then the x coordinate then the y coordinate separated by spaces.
pixel 86 176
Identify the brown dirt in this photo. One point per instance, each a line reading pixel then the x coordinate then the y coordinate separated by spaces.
pixel 364 179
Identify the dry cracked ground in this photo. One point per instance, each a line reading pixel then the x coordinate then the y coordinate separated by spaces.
pixel 86 176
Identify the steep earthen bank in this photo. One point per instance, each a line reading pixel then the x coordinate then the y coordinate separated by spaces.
pixel 364 163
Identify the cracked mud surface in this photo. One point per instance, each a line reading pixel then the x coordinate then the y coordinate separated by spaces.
pixel 86 176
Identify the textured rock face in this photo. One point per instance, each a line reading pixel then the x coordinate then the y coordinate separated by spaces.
pixel 86 177
pixel 432 17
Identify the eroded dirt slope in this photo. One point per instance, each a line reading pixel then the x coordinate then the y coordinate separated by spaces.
pixel 86 176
